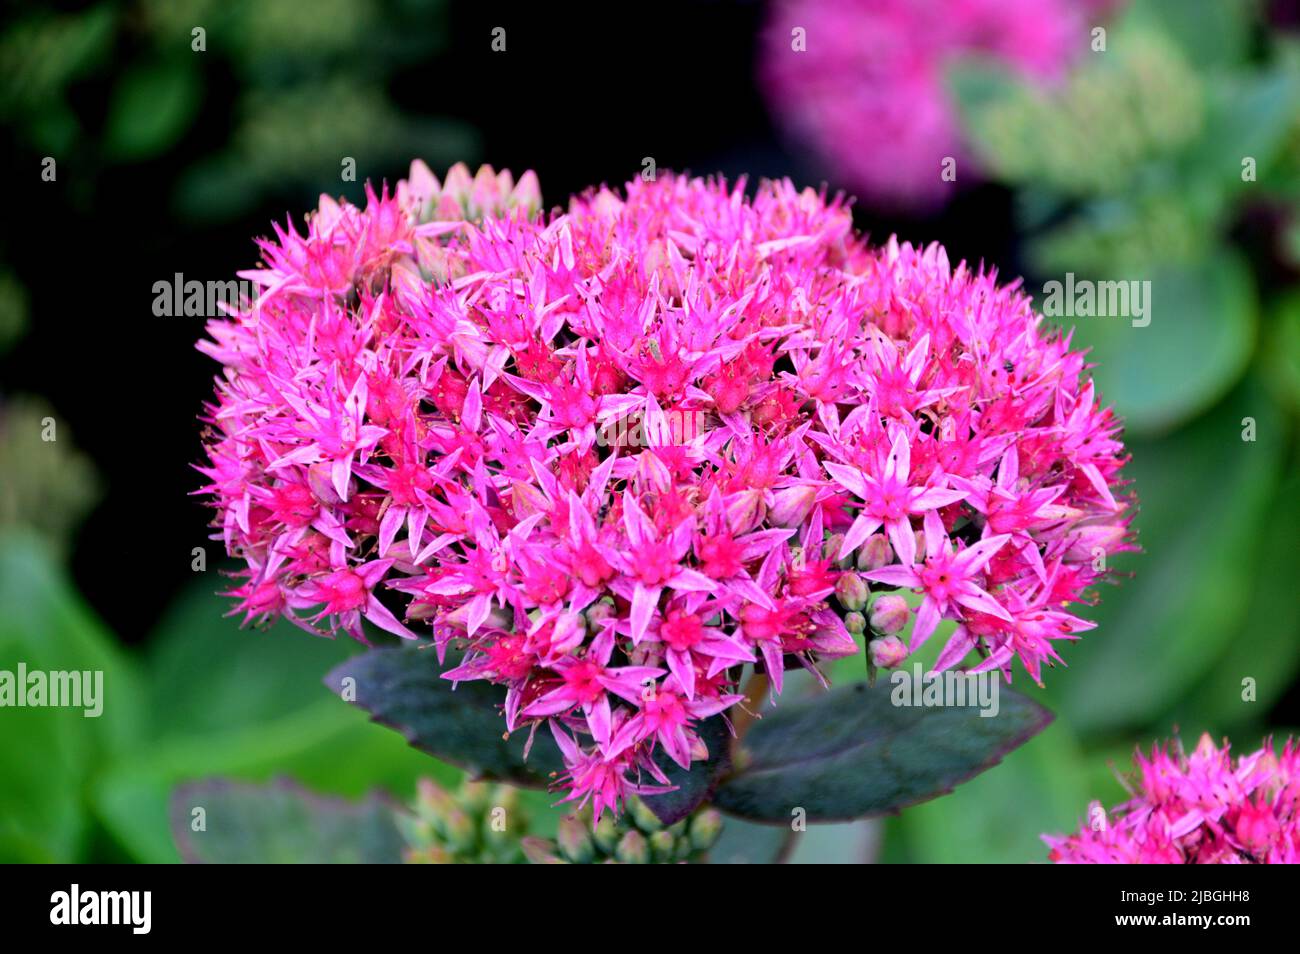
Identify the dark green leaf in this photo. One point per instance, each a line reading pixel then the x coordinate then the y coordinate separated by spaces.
pixel 998 817
pixel 852 752
pixel 281 823
pixel 462 724
pixel 693 786
pixel 748 843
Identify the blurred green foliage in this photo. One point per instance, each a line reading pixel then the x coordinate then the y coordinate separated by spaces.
pixel 206 698
pixel 276 99
pixel 46 484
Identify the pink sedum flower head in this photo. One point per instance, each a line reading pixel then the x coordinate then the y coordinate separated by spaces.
pixel 1204 808
pixel 868 90
pixel 617 453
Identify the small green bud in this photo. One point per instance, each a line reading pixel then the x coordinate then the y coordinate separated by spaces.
pixel 855 623
pixel 606 834
pixel 574 840
pixel 431 801
pixel 642 816
pixel 852 592
pixel 475 796
pixel 887 652
pixel 541 851
pixel 874 553
pixel 889 614
pixel 831 549
pixel 706 826
pixel 600 611
pixel 633 849
pixel 663 847
pixel 458 829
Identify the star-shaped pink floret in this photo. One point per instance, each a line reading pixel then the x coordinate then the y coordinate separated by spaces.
pixel 587 681
pixel 889 500
pixel 947 578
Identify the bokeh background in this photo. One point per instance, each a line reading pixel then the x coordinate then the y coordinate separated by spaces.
pixel 1125 164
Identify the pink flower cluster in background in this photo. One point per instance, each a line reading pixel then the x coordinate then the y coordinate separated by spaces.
pixel 1204 808
pixel 868 92
pixel 413 424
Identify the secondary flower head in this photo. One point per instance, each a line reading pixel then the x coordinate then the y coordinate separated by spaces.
pixel 1202 808
pixel 612 455
pixel 863 82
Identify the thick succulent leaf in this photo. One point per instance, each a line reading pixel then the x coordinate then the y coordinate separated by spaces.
pixel 696 785
pixel 748 843
pixel 851 752
pixel 221 822
pixel 459 723
pixel 1196 345
pixel 999 817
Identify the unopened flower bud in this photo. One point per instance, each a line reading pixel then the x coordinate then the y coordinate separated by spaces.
pixel 527 194
pixel 321 481
pixel 600 611
pixel 485 193
pixel 475 796
pixel 421 610
pixel 431 800
pixel 540 851
pixel 745 511
pixel 852 592
pixel 831 548
pixel 573 836
pixel 791 506
pixel 887 652
pixel 458 829
pixel 855 623
pixel 633 849
pixel 642 816
pixel 569 632
pixel 605 833
pixel 663 847
pixel 706 826
pixel 456 189
pixel 889 613
pixel 874 553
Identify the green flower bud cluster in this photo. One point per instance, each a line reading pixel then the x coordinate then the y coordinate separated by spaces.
pixel 636 838
pixel 461 195
pixel 478 823
pixel 1093 133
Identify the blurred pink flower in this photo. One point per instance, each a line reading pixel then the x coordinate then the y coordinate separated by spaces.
pixel 1204 808
pixel 867 93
